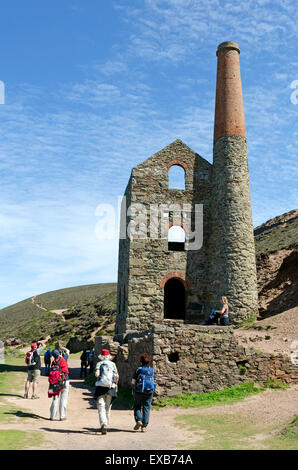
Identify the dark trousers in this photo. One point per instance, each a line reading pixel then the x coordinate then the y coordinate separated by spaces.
pixel 84 366
pixel 141 406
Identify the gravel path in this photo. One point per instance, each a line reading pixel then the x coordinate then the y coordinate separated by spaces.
pixel 81 429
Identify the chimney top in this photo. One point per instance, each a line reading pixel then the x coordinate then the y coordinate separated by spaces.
pixel 228 45
pixel 229 113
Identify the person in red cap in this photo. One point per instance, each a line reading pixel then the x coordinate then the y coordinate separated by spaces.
pixel 106 387
pixel 33 367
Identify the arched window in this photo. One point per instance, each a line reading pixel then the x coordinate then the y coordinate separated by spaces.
pixel 174 299
pixel 176 177
pixel 176 238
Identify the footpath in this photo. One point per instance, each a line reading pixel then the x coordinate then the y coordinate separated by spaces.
pixel 80 431
pixel 270 411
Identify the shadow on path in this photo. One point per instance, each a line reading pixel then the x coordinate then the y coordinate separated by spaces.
pixel 22 414
pixel 11 395
pixel 86 430
pixel 12 368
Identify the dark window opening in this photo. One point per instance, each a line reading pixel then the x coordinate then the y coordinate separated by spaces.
pixel 242 367
pixel 176 246
pixel 173 357
pixel 174 299
pixel 176 238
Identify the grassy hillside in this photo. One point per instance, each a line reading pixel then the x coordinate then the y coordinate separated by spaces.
pixel 64 298
pixel 88 309
pixel 277 234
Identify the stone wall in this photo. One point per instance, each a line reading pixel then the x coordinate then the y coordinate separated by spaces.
pixel 145 260
pixel 123 264
pixel 194 358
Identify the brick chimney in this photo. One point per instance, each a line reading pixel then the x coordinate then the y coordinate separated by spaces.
pixel 231 254
pixel 229 113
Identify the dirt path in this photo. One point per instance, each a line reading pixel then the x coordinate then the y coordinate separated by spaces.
pixel 58 311
pixel 38 305
pixel 280 337
pixel 81 429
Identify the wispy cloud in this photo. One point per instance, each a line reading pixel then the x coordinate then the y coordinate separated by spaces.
pixel 64 151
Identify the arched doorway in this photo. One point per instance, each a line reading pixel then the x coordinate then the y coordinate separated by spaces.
pixel 174 299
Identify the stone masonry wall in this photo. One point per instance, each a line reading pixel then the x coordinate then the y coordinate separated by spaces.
pixel 231 249
pixel 144 261
pixel 195 358
pixel 123 264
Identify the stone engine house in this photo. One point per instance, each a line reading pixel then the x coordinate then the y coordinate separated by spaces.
pixel 168 284
pixel 159 278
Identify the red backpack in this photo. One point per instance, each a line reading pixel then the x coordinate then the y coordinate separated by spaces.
pixel 30 359
pixel 56 380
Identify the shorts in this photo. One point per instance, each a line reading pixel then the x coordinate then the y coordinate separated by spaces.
pixel 33 375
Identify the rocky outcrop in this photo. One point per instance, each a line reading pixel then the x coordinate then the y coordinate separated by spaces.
pixel 277 264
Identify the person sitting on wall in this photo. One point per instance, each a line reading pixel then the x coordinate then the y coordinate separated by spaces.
pixel 223 314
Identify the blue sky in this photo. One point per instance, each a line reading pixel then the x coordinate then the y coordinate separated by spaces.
pixel 92 88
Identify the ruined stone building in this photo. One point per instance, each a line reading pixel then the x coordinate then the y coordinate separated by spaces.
pixel 167 286
pixel 159 279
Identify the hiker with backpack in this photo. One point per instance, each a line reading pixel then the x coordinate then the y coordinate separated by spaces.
pixel 47 360
pixel 84 363
pixel 106 387
pixel 58 385
pixel 32 360
pixel 144 384
pixel 64 352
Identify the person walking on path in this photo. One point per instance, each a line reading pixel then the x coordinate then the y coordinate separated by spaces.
pixel 61 399
pixel 33 368
pixel 47 360
pixel 84 363
pixel 64 352
pixel 144 384
pixel 106 387
pixel 223 314
pixel 91 361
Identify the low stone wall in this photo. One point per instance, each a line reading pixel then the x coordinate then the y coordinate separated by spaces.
pixel 194 358
pixel 265 367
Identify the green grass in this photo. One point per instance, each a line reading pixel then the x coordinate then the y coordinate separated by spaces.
pixel 291 431
pixel 277 236
pixel 248 323
pixel 64 298
pixel 18 440
pixel 238 432
pixel 12 377
pixel 219 397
